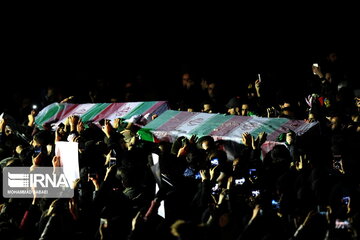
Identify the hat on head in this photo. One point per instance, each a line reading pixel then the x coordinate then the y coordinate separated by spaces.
pixel 234 102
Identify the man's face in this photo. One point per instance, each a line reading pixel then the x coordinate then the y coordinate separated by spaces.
pixel 232 111
pixel 207 108
pixel 211 89
pixel 334 123
pixel 187 81
pixel 357 102
pixel 244 109
pixel 290 138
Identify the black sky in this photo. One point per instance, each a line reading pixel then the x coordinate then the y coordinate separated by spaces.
pixel 39 51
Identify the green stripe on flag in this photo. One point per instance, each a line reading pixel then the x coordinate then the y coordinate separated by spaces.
pixel 48 113
pixel 209 125
pixel 162 119
pixel 94 111
pixel 140 109
pixel 269 126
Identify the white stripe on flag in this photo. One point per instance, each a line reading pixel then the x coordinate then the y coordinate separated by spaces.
pixel 123 110
pixel 77 111
pixel 195 121
pixel 248 126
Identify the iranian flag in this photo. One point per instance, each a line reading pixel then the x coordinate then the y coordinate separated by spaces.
pixel 141 112
pixel 172 124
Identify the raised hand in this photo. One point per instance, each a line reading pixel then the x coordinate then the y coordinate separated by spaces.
pixel 257 87
pixel 31 118
pixel 56 161
pixel 73 121
pixel 247 139
pixel 107 128
pixel 193 139
pixel 260 139
pixel 80 126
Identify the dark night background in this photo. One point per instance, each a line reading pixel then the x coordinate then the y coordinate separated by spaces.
pixel 233 49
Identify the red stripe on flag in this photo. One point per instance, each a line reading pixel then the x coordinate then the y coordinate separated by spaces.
pixel 66 111
pixel 108 111
pixel 225 128
pixel 175 121
pixel 154 107
pixel 291 124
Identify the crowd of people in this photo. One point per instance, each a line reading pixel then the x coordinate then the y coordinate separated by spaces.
pixel 306 188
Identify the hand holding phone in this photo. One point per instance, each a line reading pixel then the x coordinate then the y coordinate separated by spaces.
pixel 275 204
pixel 346 200
pixel 252 173
pixel 112 161
pixel 337 162
pixel 215 189
pixel 315 66
pixel 342 224
pixel 214 162
pixel 240 181
pixel 104 222
pixel 255 193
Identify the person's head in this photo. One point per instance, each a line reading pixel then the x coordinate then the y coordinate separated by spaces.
pixel 245 109
pixel 206 142
pixel 335 122
pixel 234 111
pixel 42 138
pixel 332 56
pixel 288 112
pixel 357 102
pixel 207 107
pixel 312 117
pixel 187 81
pixel 234 105
pixel 212 89
pixel 290 137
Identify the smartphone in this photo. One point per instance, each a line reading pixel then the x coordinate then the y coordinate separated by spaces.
pixel 275 204
pixel 252 173
pixel 255 193
pixel 198 176
pixel 337 161
pixel 342 224
pixel 112 161
pixel 322 211
pixel 215 189
pixel 103 222
pixel 240 181
pixel 38 150
pixel 214 162
pixel 315 65
pixel 345 200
